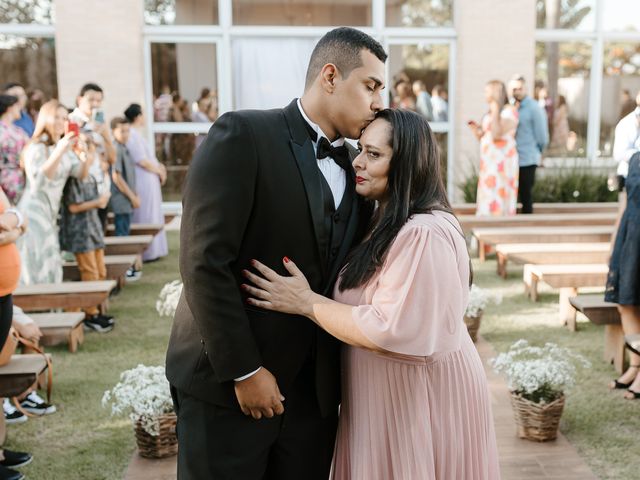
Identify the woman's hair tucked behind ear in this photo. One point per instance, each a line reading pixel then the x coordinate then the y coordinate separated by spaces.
pixel 415 186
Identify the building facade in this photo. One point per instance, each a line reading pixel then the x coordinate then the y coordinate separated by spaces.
pixel 253 54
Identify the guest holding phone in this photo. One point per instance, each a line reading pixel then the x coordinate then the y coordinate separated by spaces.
pixel 90 116
pixel 498 173
pixel 51 157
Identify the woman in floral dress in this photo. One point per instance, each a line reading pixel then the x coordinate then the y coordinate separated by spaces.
pixel 49 161
pixel 498 175
pixel 12 141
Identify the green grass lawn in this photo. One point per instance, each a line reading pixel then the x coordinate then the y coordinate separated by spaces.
pixel 82 440
pixel 601 424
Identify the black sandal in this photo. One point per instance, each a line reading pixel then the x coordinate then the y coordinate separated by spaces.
pixel 636 395
pixel 621 386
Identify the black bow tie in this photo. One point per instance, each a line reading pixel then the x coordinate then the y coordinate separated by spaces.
pixel 339 154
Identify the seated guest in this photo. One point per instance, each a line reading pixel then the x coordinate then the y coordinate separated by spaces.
pixel 123 184
pixel 49 159
pixel 81 233
pixel 12 225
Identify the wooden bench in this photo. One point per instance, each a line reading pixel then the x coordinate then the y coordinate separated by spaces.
pixel 131 245
pixel 138 229
pixel 604 313
pixel 65 295
pixel 470 222
pixel 550 253
pixel 61 327
pixel 577 207
pixel 578 234
pixel 567 278
pixel 117 266
pixel 21 373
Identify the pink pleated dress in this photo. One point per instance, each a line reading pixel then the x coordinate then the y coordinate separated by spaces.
pixel 423 411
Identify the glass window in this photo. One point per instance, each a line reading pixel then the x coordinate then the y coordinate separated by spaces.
pixel 22 11
pixel 562 88
pixel 419 13
pixel 420 78
pixel 621 15
pixel 184 82
pixel 620 85
pixel 175 151
pixel 565 14
pixel 31 62
pixel 302 12
pixel 181 12
pixel 260 78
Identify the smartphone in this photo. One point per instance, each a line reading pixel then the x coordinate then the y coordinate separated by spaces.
pixel 72 127
pixel 97 115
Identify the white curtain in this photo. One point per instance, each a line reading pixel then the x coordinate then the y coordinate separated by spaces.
pixel 269 72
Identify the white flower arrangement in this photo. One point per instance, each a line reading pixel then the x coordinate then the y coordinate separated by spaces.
pixel 168 298
pixel 143 392
pixel 539 374
pixel 478 301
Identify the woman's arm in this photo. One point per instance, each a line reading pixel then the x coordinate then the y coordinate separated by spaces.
pixel 294 295
pixel 50 166
pixel 9 236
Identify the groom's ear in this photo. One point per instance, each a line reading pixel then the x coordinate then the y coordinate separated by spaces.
pixel 328 76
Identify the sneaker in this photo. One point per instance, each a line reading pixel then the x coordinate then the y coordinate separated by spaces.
pixel 36 405
pixel 98 324
pixel 108 319
pixel 15 459
pixel 132 275
pixel 12 414
pixel 8 474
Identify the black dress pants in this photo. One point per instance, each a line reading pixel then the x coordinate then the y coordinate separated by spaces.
pixel 220 443
pixel 526 179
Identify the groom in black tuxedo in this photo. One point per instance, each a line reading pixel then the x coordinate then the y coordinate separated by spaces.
pixel 257 392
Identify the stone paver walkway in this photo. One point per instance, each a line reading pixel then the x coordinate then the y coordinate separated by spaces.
pixel 519 459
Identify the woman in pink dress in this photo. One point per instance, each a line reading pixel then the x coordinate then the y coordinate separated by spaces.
pixel 415 403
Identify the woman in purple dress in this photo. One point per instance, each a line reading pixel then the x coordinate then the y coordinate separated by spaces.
pixel 415 402
pixel 150 175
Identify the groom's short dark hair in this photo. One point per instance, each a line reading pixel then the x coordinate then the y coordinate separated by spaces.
pixel 342 47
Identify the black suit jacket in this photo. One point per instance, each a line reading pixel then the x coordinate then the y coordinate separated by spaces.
pixel 253 191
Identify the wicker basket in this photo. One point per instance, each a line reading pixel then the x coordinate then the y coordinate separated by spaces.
pixel 473 325
pixel 163 445
pixel 535 421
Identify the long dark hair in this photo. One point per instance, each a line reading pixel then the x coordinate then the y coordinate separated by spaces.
pixel 414 186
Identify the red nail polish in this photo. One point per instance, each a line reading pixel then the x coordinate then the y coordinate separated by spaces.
pixel 286 259
pixel 253 262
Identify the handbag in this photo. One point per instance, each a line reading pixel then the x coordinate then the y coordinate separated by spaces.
pixel 9 347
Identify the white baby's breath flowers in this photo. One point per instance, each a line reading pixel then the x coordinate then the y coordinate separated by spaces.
pixel 143 393
pixel 168 298
pixel 540 374
pixel 479 299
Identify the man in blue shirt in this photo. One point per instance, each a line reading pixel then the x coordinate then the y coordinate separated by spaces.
pixel 25 122
pixel 532 137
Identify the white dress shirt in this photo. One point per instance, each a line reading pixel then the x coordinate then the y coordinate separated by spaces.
pixel 333 174
pixel 626 141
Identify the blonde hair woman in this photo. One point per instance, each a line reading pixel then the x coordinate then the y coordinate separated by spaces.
pixel 498 173
pixel 49 160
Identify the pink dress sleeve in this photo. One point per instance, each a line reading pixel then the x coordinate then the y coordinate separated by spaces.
pixel 417 304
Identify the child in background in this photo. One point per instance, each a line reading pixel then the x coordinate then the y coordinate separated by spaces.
pixel 81 233
pixel 123 184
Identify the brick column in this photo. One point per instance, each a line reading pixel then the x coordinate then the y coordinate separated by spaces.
pixel 101 41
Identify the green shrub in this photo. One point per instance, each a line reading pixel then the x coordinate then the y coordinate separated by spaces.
pixel 568 185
